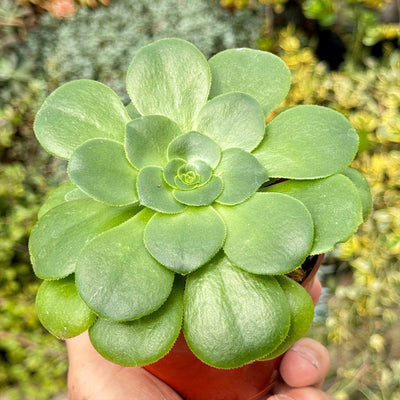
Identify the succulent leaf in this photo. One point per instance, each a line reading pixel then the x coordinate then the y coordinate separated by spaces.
pixel 60 235
pixel 232 120
pixel 78 111
pixel 170 77
pixel 145 340
pixel 232 317
pixel 271 233
pixel 185 241
pixel 242 175
pixel 147 139
pixel 299 142
pixel 61 310
pixel 100 169
pixel 259 74
pixel 334 204
pixel 117 277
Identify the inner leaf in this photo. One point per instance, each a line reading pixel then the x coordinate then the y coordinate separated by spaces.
pixel 194 146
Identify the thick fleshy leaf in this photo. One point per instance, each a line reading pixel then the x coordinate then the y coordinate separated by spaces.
pixel 154 193
pixel 117 277
pixel 185 241
pixel 78 111
pixel 334 204
pixel 242 175
pixel 75 194
pixel 270 233
pixel 307 142
pixel 56 197
pixel 362 186
pixel 232 317
pixel 60 235
pixel 143 341
pixel 169 77
pixel 100 169
pixel 200 196
pixel 259 74
pixel 147 140
pixel 232 120
pixel 194 146
pixel 61 310
pixel 301 314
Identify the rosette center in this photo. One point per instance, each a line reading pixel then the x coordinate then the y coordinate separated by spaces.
pixel 188 174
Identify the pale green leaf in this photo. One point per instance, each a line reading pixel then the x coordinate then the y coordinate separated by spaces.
pixel 362 186
pixel 61 310
pixel 270 233
pixel 259 74
pixel 232 120
pixel 194 146
pixel 147 139
pixel 334 204
pixel 100 169
pixel 301 314
pixel 56 197
pixel 132 111
pixel 78 111
pixel 169 77
pixel 60 235
pixel 143 341
pixel 185 241
pixel 242 175
pixel 232 317
pixel 307 142
pixel 200 196
pixel 154 193
pixel 117 277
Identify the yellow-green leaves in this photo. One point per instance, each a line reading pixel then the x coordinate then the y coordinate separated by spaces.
pixel 261 240
pixel 169 77
pixel 78 111
pixel 180 186
pixel 61 310
pixel 307 142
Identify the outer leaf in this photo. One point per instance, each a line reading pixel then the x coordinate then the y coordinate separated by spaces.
pixel 78 111
pixel 201 196
pixel 270 233
pixel 362 186
pixel 334 204
pixel 185 241
pixel 100 169
pixel 117 277
pixel 61 310
pixel 169 77
pixel 232 120
pixel 147 140
pixel 259 74
pixel 60 234
pixel 154 193
pixel 194 146
pixel 143 341
pixel 75 194
pixel 56 197
pixel 301 314
pixel 232 317
pixel 242 175
pixel 307 142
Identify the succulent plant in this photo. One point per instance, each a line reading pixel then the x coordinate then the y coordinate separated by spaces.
pixel 185 210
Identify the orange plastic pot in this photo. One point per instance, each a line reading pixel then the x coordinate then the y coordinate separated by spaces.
pixel 194 380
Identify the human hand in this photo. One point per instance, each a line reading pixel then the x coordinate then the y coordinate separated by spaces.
pixel 91 377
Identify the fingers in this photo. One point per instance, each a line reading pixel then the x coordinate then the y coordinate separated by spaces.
pixel 302 394
pixel 305 364
pixel 316 291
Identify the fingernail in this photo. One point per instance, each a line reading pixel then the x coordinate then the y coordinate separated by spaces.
pixel 283 397
pixel 306 354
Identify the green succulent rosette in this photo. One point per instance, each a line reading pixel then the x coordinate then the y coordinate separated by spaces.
pixel 184 210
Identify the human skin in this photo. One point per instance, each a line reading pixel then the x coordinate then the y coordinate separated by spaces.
pixel 91 377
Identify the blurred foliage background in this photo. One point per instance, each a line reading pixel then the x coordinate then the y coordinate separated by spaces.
pixel 343 54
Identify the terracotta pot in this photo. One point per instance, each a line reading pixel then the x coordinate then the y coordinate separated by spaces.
pixel 194 380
